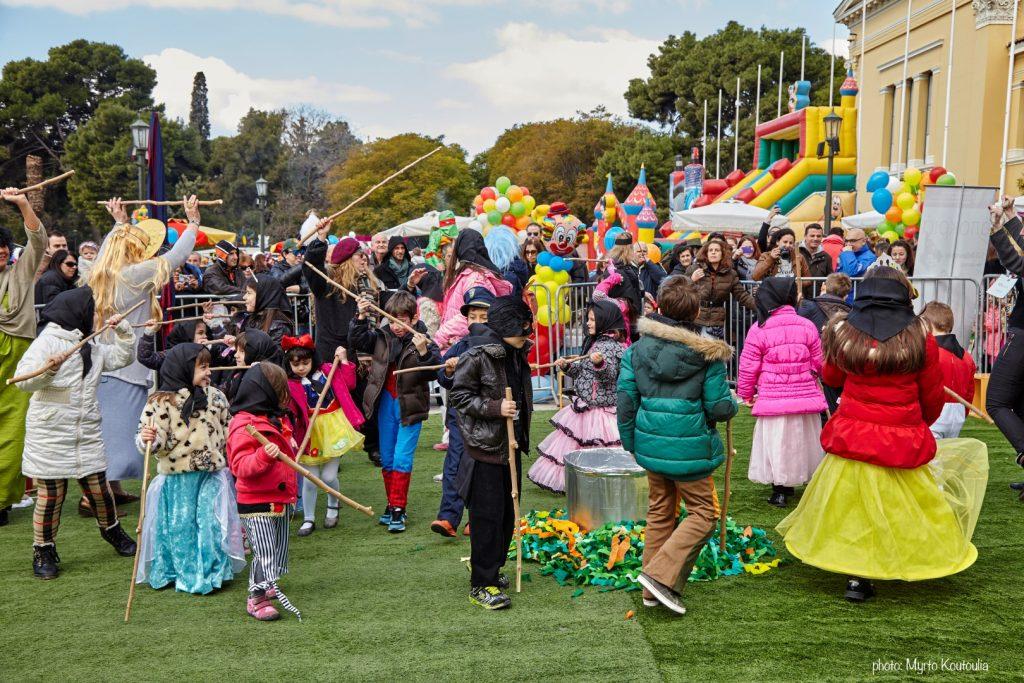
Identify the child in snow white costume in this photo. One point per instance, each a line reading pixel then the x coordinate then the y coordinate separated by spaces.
pixel 192 537
pixel 589 419
pixel 884 504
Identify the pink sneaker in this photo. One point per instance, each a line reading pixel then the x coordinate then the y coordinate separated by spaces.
pixel 261 609
pixel 440 446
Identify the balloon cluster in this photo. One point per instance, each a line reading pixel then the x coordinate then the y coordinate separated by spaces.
pixel 176 226
pixel 552 271
pixel 901 202
pixel 506 204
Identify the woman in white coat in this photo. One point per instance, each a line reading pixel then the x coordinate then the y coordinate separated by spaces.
pixel 63 439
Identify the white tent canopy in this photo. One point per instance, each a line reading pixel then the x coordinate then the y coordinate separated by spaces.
pixel 734 216
pixel 421 227
pixel 868 220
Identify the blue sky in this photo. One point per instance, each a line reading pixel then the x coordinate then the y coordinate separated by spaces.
pixel 467 69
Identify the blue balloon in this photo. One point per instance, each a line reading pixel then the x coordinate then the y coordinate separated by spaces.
pixel 332 239
pixel 557 264
pixel 878 180
pixel 172 237
pixel 881 200
pixel 544 258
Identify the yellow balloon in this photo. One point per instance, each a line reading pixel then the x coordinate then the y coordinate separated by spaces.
pixel 562 277
pixel 543 273
pixel 565 314
pixel 488 205
pixel 905 201
pixel 911 216
pixel 912 176
pixel 654 254
pixel 543 316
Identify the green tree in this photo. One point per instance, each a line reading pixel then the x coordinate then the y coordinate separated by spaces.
pixel 656 151
pixel 440 182
pixel 688 70
pixel 100 152
pixel 199 113
pixel 556 160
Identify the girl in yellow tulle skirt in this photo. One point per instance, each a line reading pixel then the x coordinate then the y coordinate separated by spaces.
pixel 886 502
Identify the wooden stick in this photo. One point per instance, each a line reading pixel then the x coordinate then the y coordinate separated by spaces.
pixel 138 531
pixel 48 181
pixel 230 367
pixel 729 453
pixel 560 378
pixel 511 429
pixel 154 202
pixel 316 409
pixel 72 351
pixel 200 303
pixel 970 407
pixel 422 368
pixel 376 308
pixel 180 320
pixel 368 511
pixel 542 366
pixel 821 388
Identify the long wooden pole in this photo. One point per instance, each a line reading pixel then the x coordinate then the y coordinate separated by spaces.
pixel 376 308
pixel 366 510
pixel 155 202
pixel 72 351
pixel 511 430
pixel 220 302
pixel 1009 99
pixel 316 409
pixel 138 531
pixel 180 320
pixel 970 407
pixel 729 453
pixel 48 181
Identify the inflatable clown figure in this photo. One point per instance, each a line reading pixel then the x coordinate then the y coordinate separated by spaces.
pixel 550 298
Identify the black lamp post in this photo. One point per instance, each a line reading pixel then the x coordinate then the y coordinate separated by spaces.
pixel 261 204
pixel 140 143
pixel 833 124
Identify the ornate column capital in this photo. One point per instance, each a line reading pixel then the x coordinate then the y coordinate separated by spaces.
pixel 992 12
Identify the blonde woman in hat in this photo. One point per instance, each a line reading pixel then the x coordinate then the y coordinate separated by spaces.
pixel 127 271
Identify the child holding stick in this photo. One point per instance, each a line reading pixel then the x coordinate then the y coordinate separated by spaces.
pixel 496 362
pixel 334 430
pixel 63 437
pixel 192 536
pixel 958 370
pixel 265 487
pixel 589 419
pixel 400 402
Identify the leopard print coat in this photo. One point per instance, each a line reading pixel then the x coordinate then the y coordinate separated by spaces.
pixel 194 447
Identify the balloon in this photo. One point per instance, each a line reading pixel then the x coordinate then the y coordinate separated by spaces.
pixel 562 277
pixel 543 314
pixel 936 173
pixel 654 255
pixel 529 202
pixel 911 231
pixel 878 180
pixel 502 184
pixel 946 179
pixel 201 239
pixel 881 200
pixel 508 220
pixel 885 226
pixel 493 216
pixel 911 216
pixel 893 185
pixel 564 313
pixel 557 264
pixel 522 222
pixel 526 190
pixel 489 205
pixel 544 258
pixel 332 239
pixel 905 200
pixel 172 235
pixel 475 224
pixel 544 272
pixel 514 193
pixel 517 209
pixel 900 229
pixel 894 214
pixel 502 204
pixel 912 176
pixel 891 235
pixel 488 193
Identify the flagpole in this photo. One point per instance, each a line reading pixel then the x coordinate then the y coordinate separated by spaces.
pixel 704 137
pixel 757 101
pixel 718 138
pixel 832 69
pixel 860 92
pixel 803 55
pixel 1009 95
pixel 949 79
pixel 903 88
pixel 736 132
pixel 782 63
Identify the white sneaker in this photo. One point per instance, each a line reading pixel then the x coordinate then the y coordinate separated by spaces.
pixel 651 602
pixel 26 501
pixel 664 594
pixel 438 478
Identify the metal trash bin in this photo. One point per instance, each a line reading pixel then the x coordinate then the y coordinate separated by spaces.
pixel 604 485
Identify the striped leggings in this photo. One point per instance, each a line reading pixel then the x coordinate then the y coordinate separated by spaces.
pixel 50 499
pixel 268 538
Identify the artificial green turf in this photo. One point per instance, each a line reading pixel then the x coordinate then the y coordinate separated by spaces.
pixel 391 607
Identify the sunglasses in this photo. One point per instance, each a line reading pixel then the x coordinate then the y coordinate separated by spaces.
pixel 531 251
pixel 70 264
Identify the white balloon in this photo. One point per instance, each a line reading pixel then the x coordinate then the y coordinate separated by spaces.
pixel 476 225
pixel 502 204
pixel 894 186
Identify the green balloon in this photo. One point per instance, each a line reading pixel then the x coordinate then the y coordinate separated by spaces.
pixel 503 183
pixel 885 226
pixel 517 209
pixel 494 216
pixel 946 179
pixel 899 229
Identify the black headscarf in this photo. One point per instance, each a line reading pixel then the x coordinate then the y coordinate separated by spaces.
pixel 432 284
pixel 74 309
pixel 470 248
pixel 774 293
pixel 259 346
pixel 269 294
pixel 183 333
pixel 509 316
pixel 882 308
pixel 177 373
pixel 256 395
pixel 607 318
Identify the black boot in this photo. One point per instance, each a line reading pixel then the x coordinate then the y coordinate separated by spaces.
pixel 859 590
pixel 122 542
pixel 374 457
pixel 5 516
pixel 45 561
pixel 778 497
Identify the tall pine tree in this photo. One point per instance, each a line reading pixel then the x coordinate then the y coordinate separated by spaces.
pixel 199 115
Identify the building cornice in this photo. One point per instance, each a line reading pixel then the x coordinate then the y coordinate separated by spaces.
pixel 910 55
pixel 988 12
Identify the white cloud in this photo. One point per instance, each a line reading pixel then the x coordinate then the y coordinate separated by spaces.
pixel 537 74
pixel 840 47
pixel 232 93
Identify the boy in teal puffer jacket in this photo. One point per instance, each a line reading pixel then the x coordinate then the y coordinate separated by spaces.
pixel 672 390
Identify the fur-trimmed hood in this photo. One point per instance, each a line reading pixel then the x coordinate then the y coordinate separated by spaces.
pixel 708 349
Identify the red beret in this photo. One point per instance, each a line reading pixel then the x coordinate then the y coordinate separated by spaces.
pixel 344 250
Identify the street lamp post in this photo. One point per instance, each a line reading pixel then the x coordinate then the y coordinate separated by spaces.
pixel 833 124
pixel 140 143
pixel 261 204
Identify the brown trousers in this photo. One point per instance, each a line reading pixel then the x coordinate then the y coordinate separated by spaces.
pixel 670 551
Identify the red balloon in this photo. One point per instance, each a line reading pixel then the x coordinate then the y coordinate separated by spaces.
pixel 488 193
pixel 526 191
pixel 509 220
pixel 910 232
pixel 936 173
pixel 202 240
pixel 666 230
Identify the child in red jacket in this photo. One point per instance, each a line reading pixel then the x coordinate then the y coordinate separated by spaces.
pixel 878 507
pixel 958 370
pixel 265 486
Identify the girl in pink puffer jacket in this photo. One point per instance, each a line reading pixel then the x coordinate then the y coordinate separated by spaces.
pixel 780 362
pixel 470 266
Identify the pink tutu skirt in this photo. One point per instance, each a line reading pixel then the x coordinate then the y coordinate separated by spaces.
pixel 786 449
pixel 593 428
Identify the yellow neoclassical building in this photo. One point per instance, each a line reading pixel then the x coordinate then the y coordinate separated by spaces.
pixel 945 103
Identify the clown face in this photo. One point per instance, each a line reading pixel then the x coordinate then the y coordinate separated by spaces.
pixel 563 238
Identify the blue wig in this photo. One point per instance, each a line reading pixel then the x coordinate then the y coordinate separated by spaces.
pixel 502 246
